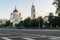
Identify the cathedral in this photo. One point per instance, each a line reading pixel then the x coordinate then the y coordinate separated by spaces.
pixel 15 17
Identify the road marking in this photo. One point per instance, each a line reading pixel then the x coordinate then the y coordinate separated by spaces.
pixel 4 34
pixel 5 38
pixel 43 36
pixel 55 38
pixel 28 39
pixel 39 30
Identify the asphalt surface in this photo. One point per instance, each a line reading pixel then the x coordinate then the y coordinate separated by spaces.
pixel 29 34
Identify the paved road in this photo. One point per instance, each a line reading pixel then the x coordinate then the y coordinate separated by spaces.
pixel 29 34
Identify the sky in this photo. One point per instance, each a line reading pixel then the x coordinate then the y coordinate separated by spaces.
pixel 42 7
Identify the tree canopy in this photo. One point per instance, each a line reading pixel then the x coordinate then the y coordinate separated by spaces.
pixel 57 3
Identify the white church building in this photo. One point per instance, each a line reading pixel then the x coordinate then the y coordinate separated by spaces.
pixel 15 17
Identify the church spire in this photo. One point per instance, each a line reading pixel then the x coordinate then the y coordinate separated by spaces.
pixel 33 5
pixel 15 9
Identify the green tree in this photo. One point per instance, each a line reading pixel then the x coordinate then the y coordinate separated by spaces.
pixel 40 21
pixel 50 19
pixel 34 23
pixel 27 22
pixel 57 3
pixel 20 25
pixel 58 21
pixel 8 23
pixel 55 21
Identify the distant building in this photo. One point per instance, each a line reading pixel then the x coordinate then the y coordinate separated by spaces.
pixel 46 19
pixel 33 12
pixel 15 17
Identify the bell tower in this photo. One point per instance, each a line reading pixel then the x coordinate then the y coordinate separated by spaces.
pixel 33 12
